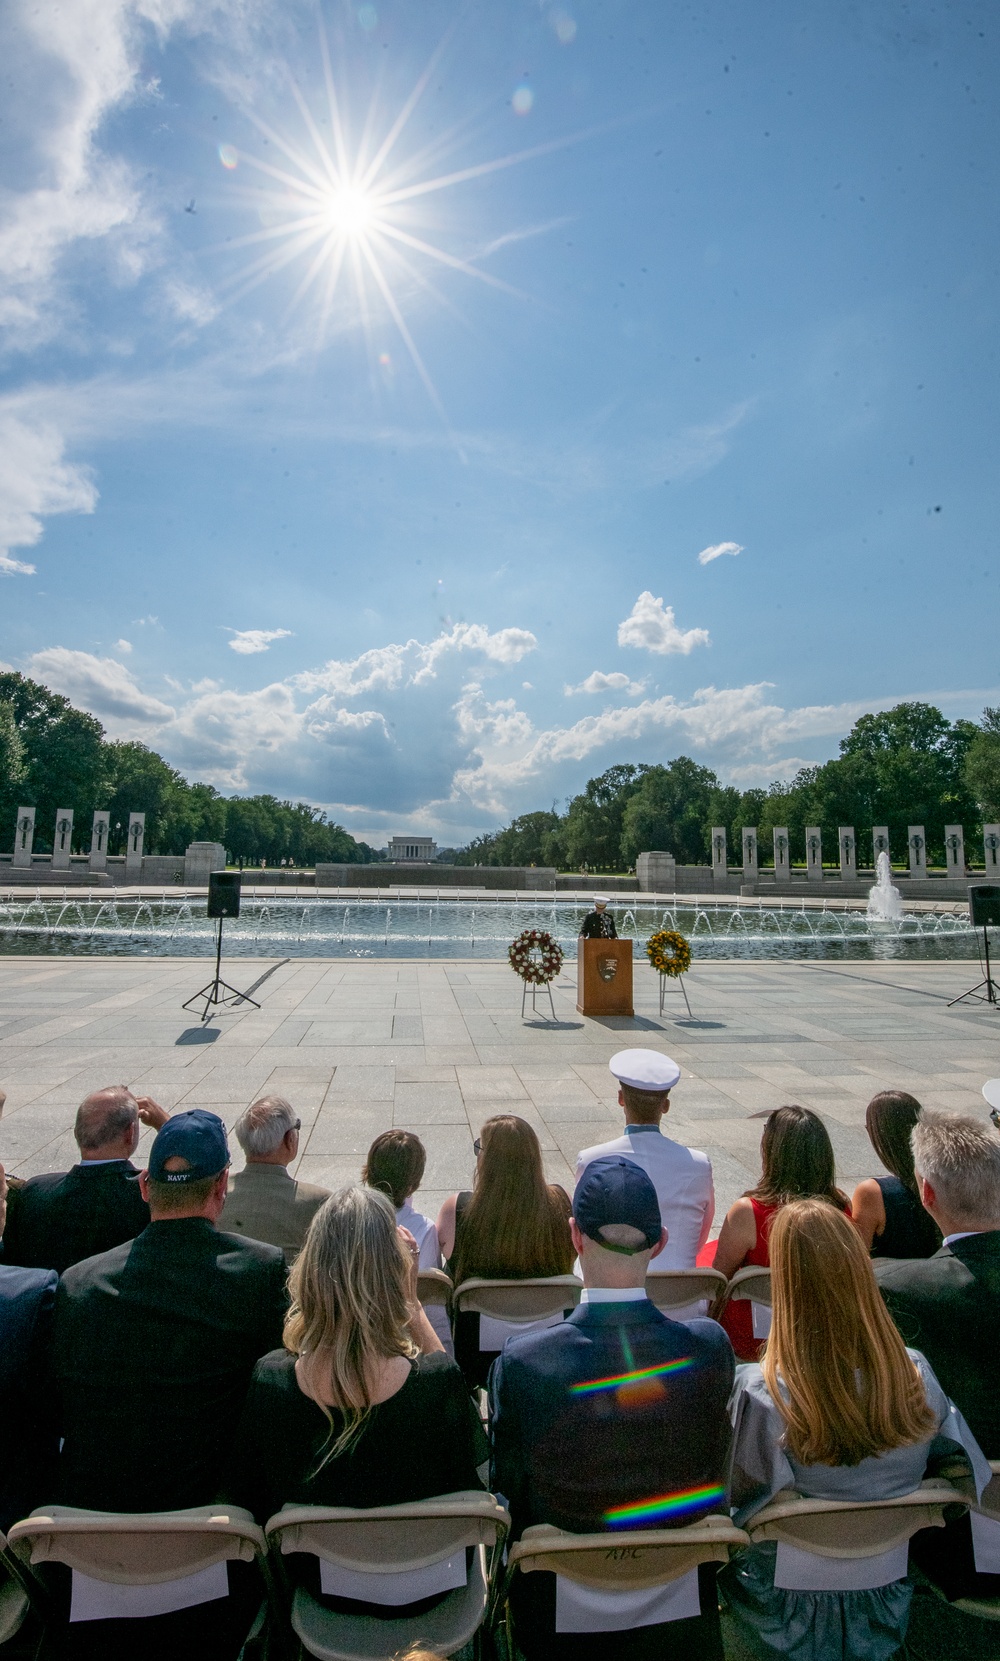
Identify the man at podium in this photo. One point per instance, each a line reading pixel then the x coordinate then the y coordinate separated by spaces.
pixel 598 924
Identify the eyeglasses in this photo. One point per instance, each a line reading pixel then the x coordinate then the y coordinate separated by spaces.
pixel 297 1125
pixel 477 1147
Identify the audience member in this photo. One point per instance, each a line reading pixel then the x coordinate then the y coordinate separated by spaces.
pixel 681 1176
pixel 614 1419
pixel 511 1226
pixel 263 1202
pixel 886 1211
pixel 395 1166
pixel 361 1407
pixel 155 1341
pixel 65 1216
pixel 948 1306
pixel 797 1163
pixel 838 1409
pixel 27 1467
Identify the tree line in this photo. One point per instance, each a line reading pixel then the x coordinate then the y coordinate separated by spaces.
pixel 53 756
pixel 904 766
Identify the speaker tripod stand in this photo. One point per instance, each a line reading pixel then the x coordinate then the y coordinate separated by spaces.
pixel 218 992
pixel 977 995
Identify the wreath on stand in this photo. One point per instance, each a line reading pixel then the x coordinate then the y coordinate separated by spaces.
pixel 669 953
pixel 536 957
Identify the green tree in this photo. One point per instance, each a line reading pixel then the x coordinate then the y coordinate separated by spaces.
pixel 140 781
pixel 591 833
pixel 670 808
pixel 981 768
pixel 11 773
pixel 63 755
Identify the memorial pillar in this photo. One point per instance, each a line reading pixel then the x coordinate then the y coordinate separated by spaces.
pixel 991 848
pixel 954 851
pixel 99 842
pixel 880 842
pixel 814 853
pixel 62 842
pixel 133 847
pixel 782 857
pixel 750 863
pixel 848 854
pixel 917 845
pixel 24 836
pixel 720 862
pixel 656 872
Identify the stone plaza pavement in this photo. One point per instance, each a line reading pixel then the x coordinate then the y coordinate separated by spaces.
pixel 439 1046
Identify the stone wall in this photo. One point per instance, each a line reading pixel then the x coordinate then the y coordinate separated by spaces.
pixel 388 875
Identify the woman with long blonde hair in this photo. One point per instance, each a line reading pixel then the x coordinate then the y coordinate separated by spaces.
pixel 512 1225
pixel 361 1407
pixel 837 1408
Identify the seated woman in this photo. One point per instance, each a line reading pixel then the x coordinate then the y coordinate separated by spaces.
pixel 837 1409
pixel 887 1211
pixel 361 1407
pixel 511 1226
pixel 797 1163
pixel 395 1166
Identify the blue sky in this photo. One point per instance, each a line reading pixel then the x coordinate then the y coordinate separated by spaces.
pixel 422 545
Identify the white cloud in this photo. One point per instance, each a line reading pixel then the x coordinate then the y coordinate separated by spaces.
pixel 123 645
pixel 249 641
pixel 415 663
pixel 190 303
pixel 100 684
pixel 35 480
pixel 651 626
pixel 716 551
pixel 599 682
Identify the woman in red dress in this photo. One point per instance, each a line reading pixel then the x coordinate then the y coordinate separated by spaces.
pixel 797 1164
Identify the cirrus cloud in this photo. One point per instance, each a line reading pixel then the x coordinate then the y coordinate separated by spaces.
pixel 716 551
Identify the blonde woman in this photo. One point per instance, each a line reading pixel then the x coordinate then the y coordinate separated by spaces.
pixel 361 1407
pixel 837 1408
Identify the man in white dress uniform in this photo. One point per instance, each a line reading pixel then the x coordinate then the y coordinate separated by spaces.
pixel 681 1176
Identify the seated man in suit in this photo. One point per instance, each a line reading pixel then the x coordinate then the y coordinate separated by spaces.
pixel 155 1341
pixel 263 1201
pixel 681 1176
pixel 65 1216
pixel 29 1439
pixel 948 1306
pixel 615 1419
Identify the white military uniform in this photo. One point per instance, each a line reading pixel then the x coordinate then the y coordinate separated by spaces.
pixel 682 1178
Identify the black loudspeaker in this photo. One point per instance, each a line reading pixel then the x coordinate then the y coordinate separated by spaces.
pixel 224 894
pixel 984 905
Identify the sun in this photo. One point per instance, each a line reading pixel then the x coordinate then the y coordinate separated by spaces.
pixel 348 209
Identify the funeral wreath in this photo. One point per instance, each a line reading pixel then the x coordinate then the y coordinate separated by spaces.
pixel 668 952
pixel 536 957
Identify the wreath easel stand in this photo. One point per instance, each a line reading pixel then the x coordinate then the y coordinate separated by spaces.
pixel 537 959
pixel 535 989
pixel 663 991
pixel 670 955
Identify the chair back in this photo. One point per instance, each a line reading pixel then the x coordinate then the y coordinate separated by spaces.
pixel 752 1283
pixel 145 1549
pixel 852 1528
pixel 433 1287
pixel 629 1561
pixel 14 1603
pixel 390 1539
pixel 518 1301
pixel 989 1504
pixel 678 1288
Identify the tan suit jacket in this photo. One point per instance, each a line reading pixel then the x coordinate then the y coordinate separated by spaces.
pixel 264 1203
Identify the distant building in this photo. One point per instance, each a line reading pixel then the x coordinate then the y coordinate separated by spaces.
pixel 411 849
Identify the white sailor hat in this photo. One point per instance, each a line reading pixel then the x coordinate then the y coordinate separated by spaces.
pixel 600 899
pixel 644 1069
pixel 991 1090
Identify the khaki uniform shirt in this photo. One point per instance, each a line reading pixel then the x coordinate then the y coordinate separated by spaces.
pixel 264 1203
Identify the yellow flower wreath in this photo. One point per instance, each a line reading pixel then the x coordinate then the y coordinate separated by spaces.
pixel 668 952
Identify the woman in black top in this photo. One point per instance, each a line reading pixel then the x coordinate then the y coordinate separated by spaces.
pixel 512 1225
pixel 362 1407
pixel 887 1210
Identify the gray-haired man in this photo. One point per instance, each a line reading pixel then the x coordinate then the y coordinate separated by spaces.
pixel 264 1202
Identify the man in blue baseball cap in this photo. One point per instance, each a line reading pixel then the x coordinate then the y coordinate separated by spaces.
pixel 615 1419
pixel 155 1341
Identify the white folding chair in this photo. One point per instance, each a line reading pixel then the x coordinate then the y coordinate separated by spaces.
pixel 147 1550
pixel 14 1600
pixel 616 1564
pixel 434 1287
pixel 988 1508
pixel 391 1555
pixel 672 1289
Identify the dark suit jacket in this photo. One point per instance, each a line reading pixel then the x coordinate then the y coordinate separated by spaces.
pixel 28 1428
pixel 65 1216
pixel 948 1306
pixel 572 1456
pixel 154 1346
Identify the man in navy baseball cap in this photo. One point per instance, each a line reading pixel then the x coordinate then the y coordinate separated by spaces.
pixel 190 1147
pixel 614 1202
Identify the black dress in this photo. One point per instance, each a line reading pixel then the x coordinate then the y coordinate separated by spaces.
pixel 909 1230
pixel 425 1440
pixel 598 925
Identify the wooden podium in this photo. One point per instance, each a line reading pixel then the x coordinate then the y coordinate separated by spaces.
pixel 604 977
